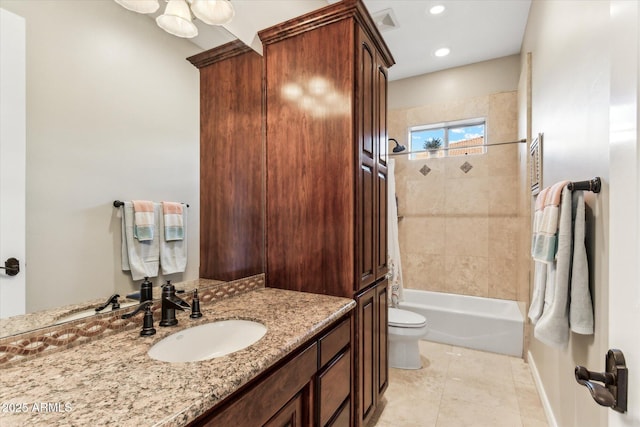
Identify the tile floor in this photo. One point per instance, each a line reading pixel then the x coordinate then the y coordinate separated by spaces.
pixel 459 387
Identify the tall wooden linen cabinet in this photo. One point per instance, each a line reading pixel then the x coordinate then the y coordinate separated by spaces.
pixel 326 172
pixel 311 126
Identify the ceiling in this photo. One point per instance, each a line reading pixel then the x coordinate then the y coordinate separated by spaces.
pixel 474 30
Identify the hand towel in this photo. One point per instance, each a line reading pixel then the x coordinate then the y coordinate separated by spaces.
pixel 142 258
pixel 545 239
pixel 173 221
pixel 144 222
pixel 581 308
pixel 553 326
pixel 173 253
pixel 539 289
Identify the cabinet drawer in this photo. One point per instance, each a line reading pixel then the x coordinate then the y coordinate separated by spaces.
pixel 334 341
pixel 334 386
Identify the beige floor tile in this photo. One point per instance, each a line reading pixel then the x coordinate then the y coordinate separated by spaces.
pixel 459 387
pixel 453 414
pixel 530 422
pixel 488 395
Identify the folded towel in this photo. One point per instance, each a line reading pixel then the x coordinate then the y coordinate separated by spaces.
pixel 553 326
pixel 173 253
pixel 581 309
pixel 545 226
pixel 144 222
pixel 141 257
pixel 173 221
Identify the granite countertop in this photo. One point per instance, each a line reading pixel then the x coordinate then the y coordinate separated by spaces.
pixel 113 381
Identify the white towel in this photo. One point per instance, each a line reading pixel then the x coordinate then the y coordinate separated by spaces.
pixel 581 308
pixel 141 257
pixel 539 288
pixel 173 253
pixel 553 326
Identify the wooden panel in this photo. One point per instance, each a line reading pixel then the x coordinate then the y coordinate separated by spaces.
pixel 366 355
pixel 366 125
pixel 310 165
pixel 381 225
pixel 334 386
pixel 260 403
pixel 381 145
pixel 334 341
pixel 292 415
pixel 366 229
pixel 343 418
pixel 231 220
pixel 383 343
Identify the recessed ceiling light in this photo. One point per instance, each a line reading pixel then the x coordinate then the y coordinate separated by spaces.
pixel 437 9
pixel 443 51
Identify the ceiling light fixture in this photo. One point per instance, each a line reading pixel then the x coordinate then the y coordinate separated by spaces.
pixel 437 9
pixel 140 6
pixel 177 19
pixel 443 51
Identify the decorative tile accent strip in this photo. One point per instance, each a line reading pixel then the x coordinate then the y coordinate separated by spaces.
pixel 425 170
pixel 17 348
pixel 466 167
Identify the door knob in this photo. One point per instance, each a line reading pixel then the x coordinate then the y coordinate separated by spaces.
pixel 11 267
pixel 613 390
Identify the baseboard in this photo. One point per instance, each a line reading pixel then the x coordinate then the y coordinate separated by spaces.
pixel 551 419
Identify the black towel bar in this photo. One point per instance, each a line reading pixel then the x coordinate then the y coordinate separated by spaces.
pixel 593 185
pixel 118 203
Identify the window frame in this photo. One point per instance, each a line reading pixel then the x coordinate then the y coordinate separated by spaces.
pixel 443 151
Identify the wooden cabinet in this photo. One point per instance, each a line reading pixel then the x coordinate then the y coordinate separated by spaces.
pixel 294 182
pixel 372 363
pixel 326 173
pixel 310 387
pixel 231 162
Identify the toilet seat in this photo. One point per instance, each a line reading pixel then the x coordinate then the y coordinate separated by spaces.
pixel 405 319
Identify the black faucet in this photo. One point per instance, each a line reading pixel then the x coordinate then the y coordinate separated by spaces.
pixel 113 300
pixel 147 321
pixel 170 302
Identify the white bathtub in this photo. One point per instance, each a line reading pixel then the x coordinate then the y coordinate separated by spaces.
pixel 481 323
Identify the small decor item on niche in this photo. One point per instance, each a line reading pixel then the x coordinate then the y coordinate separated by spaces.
pixel 432 144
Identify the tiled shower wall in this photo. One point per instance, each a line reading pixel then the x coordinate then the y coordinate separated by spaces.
pixel 460 232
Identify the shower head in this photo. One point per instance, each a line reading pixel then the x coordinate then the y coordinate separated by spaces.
pixel 398 148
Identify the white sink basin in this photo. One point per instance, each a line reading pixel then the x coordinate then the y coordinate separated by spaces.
pixel 90 312
pixel 215 339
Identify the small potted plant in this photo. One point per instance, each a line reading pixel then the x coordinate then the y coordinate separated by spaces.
pixel 432 144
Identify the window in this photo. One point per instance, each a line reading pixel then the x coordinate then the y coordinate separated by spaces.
pixel 457 138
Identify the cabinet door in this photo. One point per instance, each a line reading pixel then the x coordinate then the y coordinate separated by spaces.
pixel 367 332
pixel 292 415
pixel 382 143
pixel 383 342
pixel 366 190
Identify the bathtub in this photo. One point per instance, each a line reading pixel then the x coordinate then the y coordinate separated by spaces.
pixel 487 324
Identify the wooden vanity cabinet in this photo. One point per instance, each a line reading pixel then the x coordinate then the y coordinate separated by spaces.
pixel 326 173
pixel 310 387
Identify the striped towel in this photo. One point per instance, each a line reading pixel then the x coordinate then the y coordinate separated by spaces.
pixel 144 220
pixel 545 223
pixel 173 221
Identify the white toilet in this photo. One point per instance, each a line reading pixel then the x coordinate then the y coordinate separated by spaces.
pixel 405 329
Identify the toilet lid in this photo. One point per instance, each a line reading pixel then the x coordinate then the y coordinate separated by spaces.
pixel 405 318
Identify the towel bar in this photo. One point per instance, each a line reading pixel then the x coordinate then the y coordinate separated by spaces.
pixel 593 185
pixel 118 203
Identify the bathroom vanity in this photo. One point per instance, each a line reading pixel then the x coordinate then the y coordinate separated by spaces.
pixel 300 370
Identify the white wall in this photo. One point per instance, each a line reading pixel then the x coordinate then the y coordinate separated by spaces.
pixel 112 113
pixel 570 105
